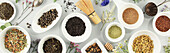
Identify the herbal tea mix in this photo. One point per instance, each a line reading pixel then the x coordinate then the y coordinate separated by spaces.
pixel 84 26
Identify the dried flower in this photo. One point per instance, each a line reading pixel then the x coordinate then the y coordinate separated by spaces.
pixel 105 2
pixel 73 46
pixel 26 1
pixel 22 2
pixel 77 50
pixel 30 2
pixel 165 8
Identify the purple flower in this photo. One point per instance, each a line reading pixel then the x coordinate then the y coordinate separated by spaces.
pixel 105 2
pixel 75 45
pixel 165 6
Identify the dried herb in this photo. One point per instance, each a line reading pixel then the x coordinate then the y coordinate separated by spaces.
pixel 15 40
pixel 34 46
pixel 75 26
pixel 6 11
pixel 52 46
pixel 137 1
pixel 106 16
pixel 47 18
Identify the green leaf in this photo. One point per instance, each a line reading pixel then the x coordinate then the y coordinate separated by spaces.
pixel 3 27
pixel 55 0
pixel 16 1
pixel 7 24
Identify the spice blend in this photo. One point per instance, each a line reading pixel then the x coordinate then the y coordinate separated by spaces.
pixel 47 18
pixel 143 44
pixel 94 48
pixel 75 26
pixel 163 23
pixel 130 16
pixel 52 46
pixel 15 40
pixel 115 32
pixel 6 11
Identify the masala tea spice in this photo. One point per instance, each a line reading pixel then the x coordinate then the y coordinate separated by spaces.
pixel 163 23
pixel 52 46
pixel 130 16
pixel 47 18
pixel 6 11
pixel 75 26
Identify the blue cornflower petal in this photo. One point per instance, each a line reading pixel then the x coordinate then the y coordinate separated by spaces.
pixel 105 2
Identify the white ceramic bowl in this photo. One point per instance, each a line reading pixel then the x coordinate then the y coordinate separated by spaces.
pixel 122 6
pixel 167 33
pixel 83 50
pixel 2 37
pixel 83 37
pixel 42 41
pixel 117 39
pixel 37 28
pixel 140 18
pixel 156 41
pixel 13 16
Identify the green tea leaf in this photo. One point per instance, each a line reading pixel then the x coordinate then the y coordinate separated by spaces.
pixel 3 27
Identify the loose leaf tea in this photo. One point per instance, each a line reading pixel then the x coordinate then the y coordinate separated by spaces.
pixel 163 23
pixel 47 18
pixel 93 49
pixel 15 40
pixel 6 11
pixel 52 46
pixel 75 26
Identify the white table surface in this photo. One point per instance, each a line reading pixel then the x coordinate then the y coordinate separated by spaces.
pixel 96 33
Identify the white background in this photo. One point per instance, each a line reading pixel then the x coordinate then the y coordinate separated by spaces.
pixel 96 33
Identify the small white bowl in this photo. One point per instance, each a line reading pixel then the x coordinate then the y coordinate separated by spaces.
pixel 153 36
pixel 117 39
pixel 13 16
pixel 2 37
pixel 83 50
pixel 83 37
pixel 37 28
pixel 42 41
pixel 122 6
pixel 167 33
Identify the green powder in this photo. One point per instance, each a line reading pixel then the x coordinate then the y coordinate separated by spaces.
pixel 115 32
